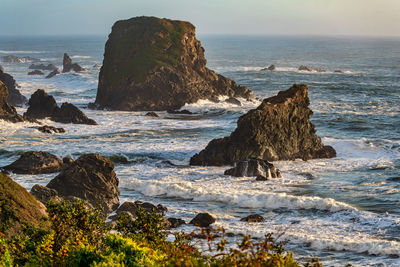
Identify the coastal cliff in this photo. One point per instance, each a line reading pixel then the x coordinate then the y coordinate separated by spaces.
pixel 158 64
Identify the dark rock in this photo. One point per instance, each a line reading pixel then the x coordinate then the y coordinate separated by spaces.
pixel 44 194
pixel 19 210
pixel 67 160
pixel 185 111
pixel 158 64
pixel 7 112
pixel 234 101
pixel 131 207
pixel 128 206
pixel 68 113
pixel 15 59
pixel 253 167
pixel 338 71
pixel 50 129
pixel 278 129
pixel 152 114
pixel 119 159
pixel 92 178
pixel 203 220
pixel 15 98
pixel 304 68
pixel 36 162
pixel 1 68
pixel 271 67
pixel 252 218
pixel 43 67
pixel 175 223
pixel 52 74
pixel 35 72
pixel 68 65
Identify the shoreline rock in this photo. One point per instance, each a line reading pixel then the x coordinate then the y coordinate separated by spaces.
pixel 153 64
pixel 51 67
pixel 278 129
pixel 36 162
pixel 202 220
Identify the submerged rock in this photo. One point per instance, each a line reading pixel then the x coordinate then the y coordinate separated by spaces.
pixel 319 70
pixel 91 178
pixel 36 162
pixel 7 112
pixel 254 167
pixel 338 71
pixel 184 111
pixel 270 67
pixel 15 59
pixel 152 114
pixel 52 74
pixel 203 220
pixel 15 98
pixel 253 218
pixel 35 72
pixel 278 129
pixel 232 100
pixel 157 64
pixel 50 129
pixel 43 67
pixel 304 68
pixel 68 65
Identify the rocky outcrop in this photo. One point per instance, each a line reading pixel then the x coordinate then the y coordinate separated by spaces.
pixel 91 178
pixel 132 207
pixel 304 68
pixel 7 112
pixel 15 59
pixel 42 105
pixel 68 65
pixel 52 74
pixel 157 64
pixel 36 162
pixel 50 129
pixel 203 220
pixel 35 72
pixel 270 67
pixel 15 98
pixel 19 209
pixel 278 129
pixel 44 194
pixel 262 169
pixel 253 218
pixel 43 67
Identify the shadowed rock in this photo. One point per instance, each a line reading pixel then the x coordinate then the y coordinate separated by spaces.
pixel 254 167
pixel 234 101
pixel 15 98
pixel 152 114
pixel 68 65
pixel 157 64
pixel 68 113
pixel 175 222
pixel 304 68
pixel 271 67
pixel 50 129
pixel 36 162
pixel 7 112
pixel 203 220
pixel 52 74
pixel 278 129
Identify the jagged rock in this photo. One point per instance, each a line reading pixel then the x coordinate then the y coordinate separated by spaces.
pixel 271 67
pixel 68 65
pixel 253 167
pixel 35 72
pixel 278 129
pixel 184 111
pixel 15 59
pixel 36 162
pixel 15 98
pixel 203 220
pixel 152 114
pixel 50 129
pixel 234 101
pixel 92 178
pixel 19 209
pixel 44 194
pixel 175 223
pixel 304 68
pixel 253 218
pixel 42 105
pixel 7 112
pixel 43 67
pixel 157 64
pixel 52 74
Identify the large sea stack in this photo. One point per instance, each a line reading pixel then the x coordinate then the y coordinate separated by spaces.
pixel 157 64
pixel 278 129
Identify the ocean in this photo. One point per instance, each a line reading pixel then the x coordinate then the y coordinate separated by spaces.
pixel 342 210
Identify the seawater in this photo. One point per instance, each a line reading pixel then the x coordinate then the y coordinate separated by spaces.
pixel 342 210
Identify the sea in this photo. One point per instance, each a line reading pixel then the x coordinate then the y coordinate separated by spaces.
pixel 344 210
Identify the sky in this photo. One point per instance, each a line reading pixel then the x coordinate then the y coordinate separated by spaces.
pixel 261 17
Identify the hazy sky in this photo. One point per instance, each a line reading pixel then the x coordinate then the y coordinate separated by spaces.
pixel 305 17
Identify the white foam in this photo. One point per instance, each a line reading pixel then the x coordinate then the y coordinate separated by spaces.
pixel 21 52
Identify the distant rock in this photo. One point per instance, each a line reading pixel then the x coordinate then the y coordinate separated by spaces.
pixel 15 98
pixel 175 223
pixel 271 67
pixel 152 114
pixel 36 162
pixel 35 72
pixel 52 74
pixel 234 101
pixel 50 129
pixel 254 167
pixel 203 220
pixel 43 67
pixel 15 59
pixel 338 71
pixel 304 68
pixel 158 64
pixel 68 65
pixel 42 105
pixel 253 218
pixel 319 70
pixel 7 112
pixel 91 178
pixel 184 111
pixel 278 129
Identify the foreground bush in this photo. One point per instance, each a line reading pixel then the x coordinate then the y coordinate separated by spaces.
pixel 79 236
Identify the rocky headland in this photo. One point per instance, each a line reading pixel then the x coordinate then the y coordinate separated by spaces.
pixel 157 64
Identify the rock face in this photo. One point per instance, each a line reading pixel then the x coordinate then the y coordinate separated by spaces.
pixel 43 67
pixel 278 129
pixel 203 220
pixel 18 208
pixel 14 96
pixel 15 59
pixel 35 162
pixel 7 112
pixel 254 167
pixel 68 65
pixel 92 178
pixel 157 64
pixel 42 105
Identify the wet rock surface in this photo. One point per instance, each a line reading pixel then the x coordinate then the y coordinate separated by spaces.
pixel 36 162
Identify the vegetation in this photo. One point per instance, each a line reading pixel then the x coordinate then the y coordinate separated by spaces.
pixel 79 236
